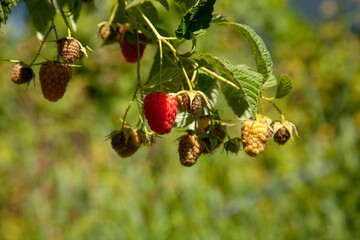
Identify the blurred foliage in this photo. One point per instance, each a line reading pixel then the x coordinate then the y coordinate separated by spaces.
pixel 60 179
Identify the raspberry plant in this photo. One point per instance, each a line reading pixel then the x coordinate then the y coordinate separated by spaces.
pixel 196 78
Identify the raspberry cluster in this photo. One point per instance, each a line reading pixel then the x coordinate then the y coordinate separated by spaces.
pixel 255 136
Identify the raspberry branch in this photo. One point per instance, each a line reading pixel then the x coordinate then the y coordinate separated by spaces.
pixel 161 40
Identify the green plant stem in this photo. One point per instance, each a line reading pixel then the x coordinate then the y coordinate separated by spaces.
pixel 276 107
pixel 220 78
pixel 41 46
pixel 64 18
pixel 113 14
pixel 172 49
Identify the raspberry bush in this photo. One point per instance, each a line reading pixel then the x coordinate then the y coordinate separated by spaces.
pixel 191 77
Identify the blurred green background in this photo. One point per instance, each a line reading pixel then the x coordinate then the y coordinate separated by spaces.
pixel 60 179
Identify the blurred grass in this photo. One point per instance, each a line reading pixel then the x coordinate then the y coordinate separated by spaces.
pixel 60 179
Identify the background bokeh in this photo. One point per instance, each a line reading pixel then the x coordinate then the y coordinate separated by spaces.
pixel 60 179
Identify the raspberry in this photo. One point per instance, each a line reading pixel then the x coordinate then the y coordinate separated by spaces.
pixel 255 135
pixel 233 145
pixel 20 74
pixel 69 49
pixel 126 142
pixel 214 138
pixel 194 106
pixel 87 1
pixel 190 148
pixel 54 77
pixel 106 32
pixel 160 111
pixel 128 43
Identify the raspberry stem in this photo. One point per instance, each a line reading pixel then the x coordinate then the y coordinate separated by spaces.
pixel 113 14
pixel 161 40
pixel 42 44
pixel 54 2
pixel 220 78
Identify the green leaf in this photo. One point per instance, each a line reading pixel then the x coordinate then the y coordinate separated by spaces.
pixel 261 54
pixel 285 86
pixel 185 5
pixel 5 9
pixel 247 83
pixel 135 18
pixel 170 75
pixel 208 85
pixel 164 3
pixel 271 82
pixel 134 3
pixel 196 19
pixel 41 13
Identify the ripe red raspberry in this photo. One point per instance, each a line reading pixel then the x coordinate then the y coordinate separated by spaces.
pixel 21 74
pixel 190 148
pixel 128 43
pixel 126 142
pixel 69 49
pixel 194 106
pixel 54 77
pixel 160 111
pixel 255 135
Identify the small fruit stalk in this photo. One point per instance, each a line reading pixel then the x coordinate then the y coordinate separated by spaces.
pixel 21 74
pixel 54 77
pixel 127 39
pixel 255 135
pixel 126 142
pixel 190 149
pixel 160 111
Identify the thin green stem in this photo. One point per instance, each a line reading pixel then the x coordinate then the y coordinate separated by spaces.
pixel 220 78
pixel 276 107
pixel 113 14
pixel 172 49
pixel 261 108
pixel 41 46
pixel 64 17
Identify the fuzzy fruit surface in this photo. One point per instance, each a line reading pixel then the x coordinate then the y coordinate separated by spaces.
pixel 20 75
pixel 160 111
pixel 130 49
pixel 69 49
pixel 54 77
